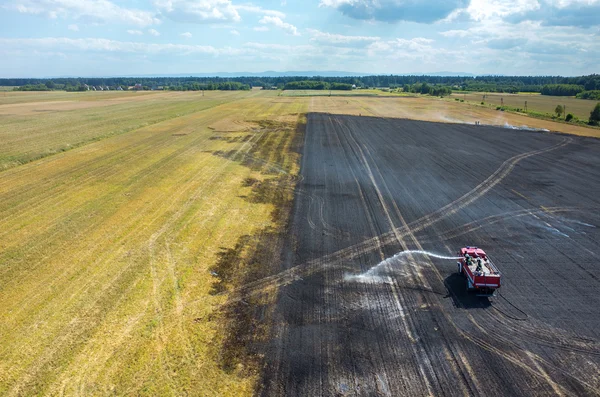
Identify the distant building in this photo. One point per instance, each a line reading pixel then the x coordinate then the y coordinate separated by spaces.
pixel 119 88
pixel 138 86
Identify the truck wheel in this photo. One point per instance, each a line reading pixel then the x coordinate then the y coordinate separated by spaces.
pixel 459 269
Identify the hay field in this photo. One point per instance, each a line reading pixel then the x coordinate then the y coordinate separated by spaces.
pixel 364 92
pixel 50 96
pixel 439 110
pixel 39 128
pixel 580 108
pixel 108 251
pixel 127 222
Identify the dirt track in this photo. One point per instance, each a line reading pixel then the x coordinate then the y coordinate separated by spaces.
pixel 372 187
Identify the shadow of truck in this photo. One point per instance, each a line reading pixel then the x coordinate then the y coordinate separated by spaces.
pixel 456 284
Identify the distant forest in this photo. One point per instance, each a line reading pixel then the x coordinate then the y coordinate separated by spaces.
pixel 547 85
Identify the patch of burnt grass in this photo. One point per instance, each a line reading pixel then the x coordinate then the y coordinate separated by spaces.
pixel 249 182
pixel 246 318
pixel 231 139
pixel 271 145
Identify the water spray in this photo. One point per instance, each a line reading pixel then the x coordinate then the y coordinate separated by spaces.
pixel 391 261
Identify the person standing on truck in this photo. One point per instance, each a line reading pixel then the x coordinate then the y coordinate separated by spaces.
pixel 467 259
pixel 479 268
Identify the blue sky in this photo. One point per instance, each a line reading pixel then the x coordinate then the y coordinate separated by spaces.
pixel 110 37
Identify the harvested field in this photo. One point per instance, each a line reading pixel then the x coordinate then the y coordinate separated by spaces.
pixel 60 126
pixel 437 109
pixel 352 319
pixel 112 278
pixel 364 92
pixel 27 97
pixel 580 108
pixel 145 238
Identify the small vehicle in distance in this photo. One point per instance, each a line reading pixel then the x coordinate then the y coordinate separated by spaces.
pixel 483 277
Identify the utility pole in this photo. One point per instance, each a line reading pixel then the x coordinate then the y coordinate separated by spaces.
pixel 565 110
pixel 525 106
pixel 501 101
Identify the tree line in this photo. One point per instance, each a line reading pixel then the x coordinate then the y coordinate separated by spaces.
pixel 506 84
pixel 562 89
pixel 316 85
pixel 426 89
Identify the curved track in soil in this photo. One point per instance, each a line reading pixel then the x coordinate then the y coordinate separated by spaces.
pixel 373 187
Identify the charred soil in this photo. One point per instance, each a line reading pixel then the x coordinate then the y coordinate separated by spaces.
pixel 372 187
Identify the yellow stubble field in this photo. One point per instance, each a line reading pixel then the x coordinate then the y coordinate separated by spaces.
pixel 106 250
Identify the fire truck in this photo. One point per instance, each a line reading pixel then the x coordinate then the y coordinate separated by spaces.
pixel 483 277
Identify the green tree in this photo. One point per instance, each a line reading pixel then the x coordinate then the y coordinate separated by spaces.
pixel 595 115
pixel 559 110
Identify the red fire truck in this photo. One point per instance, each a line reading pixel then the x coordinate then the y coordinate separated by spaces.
pixel 482 275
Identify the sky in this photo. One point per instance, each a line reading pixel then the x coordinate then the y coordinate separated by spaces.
pixel 49 38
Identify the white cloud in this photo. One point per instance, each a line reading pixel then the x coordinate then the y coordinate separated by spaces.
pixel 421 11
pixel 153 32
pixel 187 35
pixel 73 27
pixel 415 46
pixel 262 28
pixel 259 10
pixel 103 45
pixel 101 11
pixel 234 32
pixel 276 21
pixel 135 32
pixel 199 11
pixel 338 39
pixel 486 9
pixel 456 33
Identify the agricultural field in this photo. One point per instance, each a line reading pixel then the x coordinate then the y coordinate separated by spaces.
pixel 370 300
pixel 365 92
pixel 546 104
pixel 174 243
pixel 111 252
pixel 53 123
pixel 440 110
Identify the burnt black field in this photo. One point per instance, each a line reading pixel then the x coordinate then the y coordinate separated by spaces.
pixel 373 187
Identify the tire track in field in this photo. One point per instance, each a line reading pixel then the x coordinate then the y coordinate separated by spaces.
pixel 181 209
pixel 122 153
pixel 458 358
pixel 540 373
pixel 419 350
pixel 121 150
pixel 454 356
pixel 493 219
pixel 50 353
pixel 149 147
pixel 52 280
pixel 157 282
pixel 145 173
pixel 335 259
pixel 149 171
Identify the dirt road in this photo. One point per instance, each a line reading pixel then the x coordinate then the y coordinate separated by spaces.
pixel 374 187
